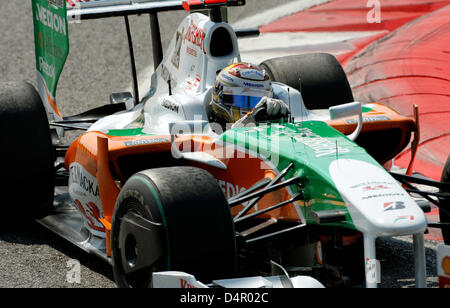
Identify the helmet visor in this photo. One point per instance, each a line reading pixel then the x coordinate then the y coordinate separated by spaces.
pixel 242 101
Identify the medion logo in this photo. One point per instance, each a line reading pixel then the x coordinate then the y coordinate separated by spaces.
pixel 51 20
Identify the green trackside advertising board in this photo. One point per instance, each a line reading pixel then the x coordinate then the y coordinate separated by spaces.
pixel 51 35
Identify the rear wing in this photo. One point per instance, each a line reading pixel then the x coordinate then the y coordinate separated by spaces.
pixel 95 9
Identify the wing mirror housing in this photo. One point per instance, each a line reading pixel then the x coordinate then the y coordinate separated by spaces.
pixel 348 110
pixel 124 97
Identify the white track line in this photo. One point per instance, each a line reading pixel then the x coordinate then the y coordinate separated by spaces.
pixel 276 13
pixel 272 45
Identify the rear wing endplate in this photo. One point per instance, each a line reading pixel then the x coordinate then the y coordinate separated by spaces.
pixel 51 40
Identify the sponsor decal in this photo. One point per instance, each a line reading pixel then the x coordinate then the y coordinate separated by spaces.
pixel 193 83
pixel 394 206
pixel 370 119
pixel 170 105
pixel 78 177
pixel 47 69
pixel 373 270
pixel 405 217
pixel 368 108
pixel 186 285
pixel 50 19
pixel 93 215
pixel 320 146
pixel 225 76
pixel 144 141
pixel 196 36
pixel 191 51
pixel 177 53
pixel 253 85
pixel 373 185
pixel 40 40
pixel 372 188
pixel 252 74
pixel 50 48
pixel 166 75
pixel 231 190
pixel 58 3
pixel 383 195
pixel 83 189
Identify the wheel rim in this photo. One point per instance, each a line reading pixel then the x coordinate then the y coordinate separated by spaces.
pixel 131 250
pixel 135 258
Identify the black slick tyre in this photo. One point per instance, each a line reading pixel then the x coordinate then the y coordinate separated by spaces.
pixel 173 219
pixel 319 77
pixel 444 211
pixel 27 157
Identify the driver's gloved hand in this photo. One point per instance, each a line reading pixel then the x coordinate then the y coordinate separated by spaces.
pixel 274 108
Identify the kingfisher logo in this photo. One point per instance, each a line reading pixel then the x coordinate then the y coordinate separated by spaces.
pixel 196 36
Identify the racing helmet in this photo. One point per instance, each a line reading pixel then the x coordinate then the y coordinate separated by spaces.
pixel 238 89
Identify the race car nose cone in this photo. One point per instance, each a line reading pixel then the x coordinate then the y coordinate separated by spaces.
pixel 376 202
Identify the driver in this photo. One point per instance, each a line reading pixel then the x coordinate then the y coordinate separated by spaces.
pixel 243 94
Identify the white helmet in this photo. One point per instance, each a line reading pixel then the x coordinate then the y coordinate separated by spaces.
pixel 238 88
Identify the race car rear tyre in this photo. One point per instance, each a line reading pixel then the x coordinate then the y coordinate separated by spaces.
pixel 444 213
pixel 319 77
pixel 172 219
pixel 27 157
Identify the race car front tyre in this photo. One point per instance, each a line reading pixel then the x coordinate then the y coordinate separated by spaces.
pixel 444 211
pixel 319 77
pixel 172 219
pixel 27 158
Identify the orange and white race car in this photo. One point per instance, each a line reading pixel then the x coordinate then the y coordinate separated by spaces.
pixel 157 190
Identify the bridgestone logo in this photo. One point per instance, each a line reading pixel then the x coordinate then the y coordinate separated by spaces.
pixel 51 20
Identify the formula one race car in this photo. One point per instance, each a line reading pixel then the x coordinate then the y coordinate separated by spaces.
pixel 153 187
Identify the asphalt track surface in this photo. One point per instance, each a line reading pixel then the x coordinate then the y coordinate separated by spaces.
pixel 33 257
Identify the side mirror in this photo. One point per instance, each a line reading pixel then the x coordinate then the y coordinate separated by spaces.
pixel 185 127
pixel 124 97
pixel 348 110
